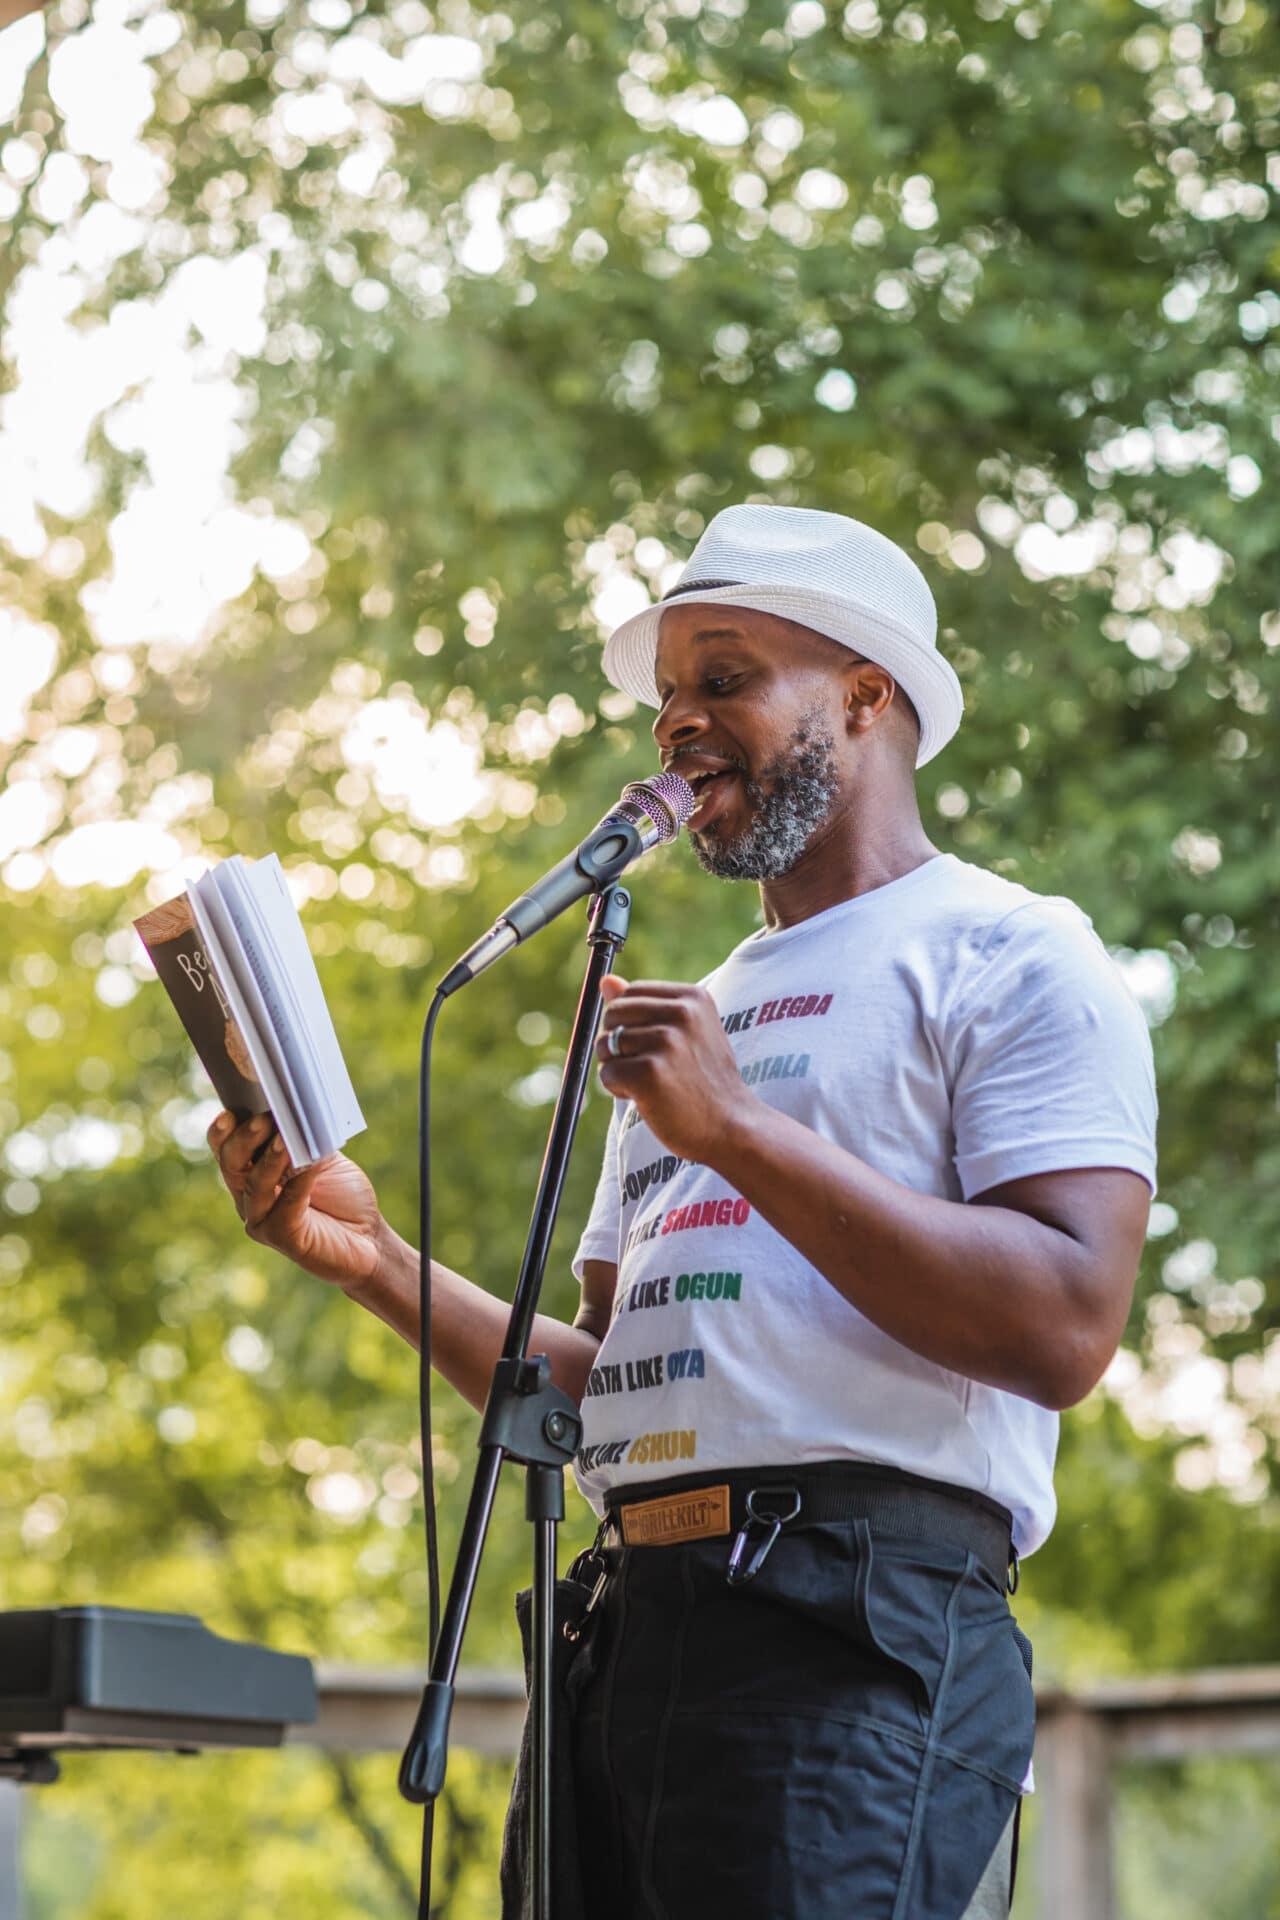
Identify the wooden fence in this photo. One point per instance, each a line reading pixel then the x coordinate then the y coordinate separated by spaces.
pixel 1083 1734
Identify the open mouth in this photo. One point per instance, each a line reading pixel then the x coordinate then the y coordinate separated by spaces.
pixel 711 791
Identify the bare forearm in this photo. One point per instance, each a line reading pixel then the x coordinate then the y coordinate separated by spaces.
pixel 467 1324
pixel 985 1291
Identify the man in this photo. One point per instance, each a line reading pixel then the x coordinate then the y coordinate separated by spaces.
pixel 872 1205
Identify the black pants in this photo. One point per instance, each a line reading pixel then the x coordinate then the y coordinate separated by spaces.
pixel 842 1739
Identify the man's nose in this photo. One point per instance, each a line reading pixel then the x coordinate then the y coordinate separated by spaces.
pixel 681 721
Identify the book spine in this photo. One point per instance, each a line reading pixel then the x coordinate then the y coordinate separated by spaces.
pixel 182 967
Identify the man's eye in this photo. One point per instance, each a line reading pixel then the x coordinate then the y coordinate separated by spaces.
pixel 719 682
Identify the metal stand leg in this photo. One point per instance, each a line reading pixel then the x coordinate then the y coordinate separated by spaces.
pixel 10 1851
pixel 530 1421
pixel 544 1506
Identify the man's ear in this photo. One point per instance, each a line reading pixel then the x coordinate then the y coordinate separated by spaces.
pixel 869 695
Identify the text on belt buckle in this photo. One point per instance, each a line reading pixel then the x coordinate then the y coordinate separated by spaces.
pixel 680 1516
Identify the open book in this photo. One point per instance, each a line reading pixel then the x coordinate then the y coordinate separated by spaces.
pixel 233 958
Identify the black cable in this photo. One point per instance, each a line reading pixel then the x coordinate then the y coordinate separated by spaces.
pixel 424 1871
pixel 424 1396
pixel 424 1320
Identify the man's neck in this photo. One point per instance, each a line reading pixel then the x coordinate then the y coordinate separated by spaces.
pixel 847 857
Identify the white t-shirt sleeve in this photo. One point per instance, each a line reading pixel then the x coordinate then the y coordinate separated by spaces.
pixel 600 1235
pixel 1051 1056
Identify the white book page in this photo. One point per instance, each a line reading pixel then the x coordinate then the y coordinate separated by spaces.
pixel 221 946
pixel 283 1011
pixel 287 1064
pixel 264 891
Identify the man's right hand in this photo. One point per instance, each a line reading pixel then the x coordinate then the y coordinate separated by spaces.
pixel 325 1218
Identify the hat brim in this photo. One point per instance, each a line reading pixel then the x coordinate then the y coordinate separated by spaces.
pixel 925 677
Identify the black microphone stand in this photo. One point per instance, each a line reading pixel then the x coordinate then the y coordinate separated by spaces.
pixel 530 1421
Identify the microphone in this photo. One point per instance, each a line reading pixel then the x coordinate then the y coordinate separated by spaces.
pixel 649 814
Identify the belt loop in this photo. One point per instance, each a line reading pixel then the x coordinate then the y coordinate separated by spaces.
pixel 1013 1577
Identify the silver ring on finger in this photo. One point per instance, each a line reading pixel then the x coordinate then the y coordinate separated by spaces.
pixel 615 1042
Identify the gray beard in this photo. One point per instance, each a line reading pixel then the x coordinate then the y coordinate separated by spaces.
pixel 789 803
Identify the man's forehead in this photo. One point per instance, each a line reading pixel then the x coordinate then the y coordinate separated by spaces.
pixel 693 627
pixel 703 623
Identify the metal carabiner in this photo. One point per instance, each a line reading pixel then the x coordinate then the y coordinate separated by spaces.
pixel 736 1573
pixel 592 1561
pixel 573 1630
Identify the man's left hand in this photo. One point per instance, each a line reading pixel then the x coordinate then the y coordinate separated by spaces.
pixel 671 1057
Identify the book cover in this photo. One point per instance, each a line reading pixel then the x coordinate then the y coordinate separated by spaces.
pixel 173 940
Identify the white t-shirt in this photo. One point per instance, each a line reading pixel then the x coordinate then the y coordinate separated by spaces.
pixel 954 1031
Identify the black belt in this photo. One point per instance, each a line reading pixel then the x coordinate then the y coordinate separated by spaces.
pixel 905 1505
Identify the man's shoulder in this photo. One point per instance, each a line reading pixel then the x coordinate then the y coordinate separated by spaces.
pixel 1018 947
pixel 995 910
pixel 950 927
pixel 945 914
pixel 1003 939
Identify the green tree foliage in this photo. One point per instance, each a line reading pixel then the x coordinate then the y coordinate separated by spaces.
pixel 543 289
pixel 291 1833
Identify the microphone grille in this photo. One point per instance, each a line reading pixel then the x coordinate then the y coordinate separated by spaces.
pixel 667 798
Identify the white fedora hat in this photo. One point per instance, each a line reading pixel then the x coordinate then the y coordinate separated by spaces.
pixel 825 572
